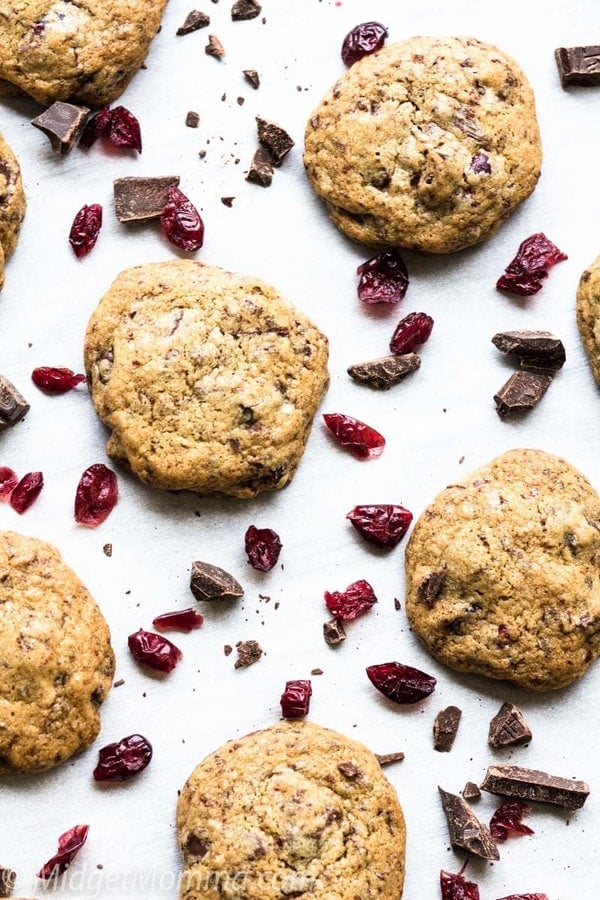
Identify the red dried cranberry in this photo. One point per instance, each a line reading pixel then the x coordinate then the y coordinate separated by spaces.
pixel 383 524
pixel 346 605
pixel 263 548
pixel 8 481
pixel 123 759
pixel 400 683
pixel 383 279
pixel 181 221
pixel 96 496
pixel 179 620
pixel 124 129
pixel 360 439
pixel 524 274
pixel 85 229
pixel 55 380
pixel 27 491
pixel 412 330
pixel 526 897
pixel 455 887
pixel 96 127
pixel 154 650
pixel 507 820
pixel 481 164
pixel 69 845
pixel 363 40
pixel 295 700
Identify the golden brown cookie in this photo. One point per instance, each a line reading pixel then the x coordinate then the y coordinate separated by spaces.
pixel 294 810
pixel 503 572
pixel 55 655
pixel 588 315
pixel 12 203
pixel 429 144
pixel 208 380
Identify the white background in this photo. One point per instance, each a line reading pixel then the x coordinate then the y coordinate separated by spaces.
pixel 439 415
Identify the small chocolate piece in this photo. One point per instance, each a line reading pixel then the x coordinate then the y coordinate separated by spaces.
pixel 445 728
pixel 261 170
pixel 466 831
pixel 508 728
pixel 431 587
pixel 227 649
pixel 119 683
pixel 192 120
pixel 275 139
pixel 384 759
pixel 578 65
pixel 245 9
pixel 139 198
pixel 334 632
pixel 316 671
pixel 249 652
pixel 63 123
pixel 471 791
pixel 7 881
pixel 252 77
pixel 522 391
pixel 214 47
pixel 530 784
pixel 539 351
pixel 13 404
pixel 194 20
pixel 227 201
pixel 385 372
pixel 209 582
pixel 107 549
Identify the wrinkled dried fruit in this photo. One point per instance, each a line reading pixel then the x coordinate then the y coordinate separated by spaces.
pixel 455 887
pixel 346 605
pixel 295 700
pixel 69 845
pixel 400 683
pixel 360 439
pixel 263 548
pixel 383 279
pixel 27 491
pixel 96 127
pixel 123 759
pixel 8 481
pixel 124 129
pixel 56 380
pixel 96 496
pixel 181 222
pixel 526 897
pixel 154 650
pixel 411 331
pixel 507 820
pixel 85 229
pixel 383 524
pixel 363 39
pixel 179 620
pixel 524 274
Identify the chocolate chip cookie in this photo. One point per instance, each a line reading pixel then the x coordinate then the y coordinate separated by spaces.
pixel 428 144
pixel 503 574
pixel 588 315
pixel 12 203
pixel 294 810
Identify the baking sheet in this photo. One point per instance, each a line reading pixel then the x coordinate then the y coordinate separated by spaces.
pixel 439 424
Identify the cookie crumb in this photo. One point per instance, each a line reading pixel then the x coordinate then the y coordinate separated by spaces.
pixel 227 201
pixel 249 652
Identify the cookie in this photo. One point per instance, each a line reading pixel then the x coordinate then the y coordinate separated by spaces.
pixel 502 572
pixel 86 52
pixel 208 380
pixel 12 203
pixel 55 654
pixel 588 315
pixel 427 144
pixel 294 810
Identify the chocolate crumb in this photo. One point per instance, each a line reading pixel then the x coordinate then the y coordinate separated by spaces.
pixel 397 604
pixel 227 201
pixel 385 372
pixel 63 124
pixel 471 791
pixel 316 671
pixel 334 632
pixel 7 881
pixel 194 20
pixel 384 759
pixel 202 154
pixel 13 405
pixel 138 199
pixel 118 683
pixel 275 139
pixel 261 170
pixel 245 9
pixel 249 652
pixel 107 549
pixel 192 119
pixel 252 77
pixel 445 728
pixel 522 391
pixel 214 47
pixel 240 101
pixel 227 649
pixel 530 784
pixel 466 831
pixel 508 728
pixel 208 582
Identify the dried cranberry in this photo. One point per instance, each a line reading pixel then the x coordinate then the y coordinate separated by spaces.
pixel 383 279
pixel 69 845
pixel 526 897
pixel 96 127
pixel 360 439
pixel 181 221
pixel 154 650
pixel 400 683
pixel 507 819
pixel 295 700
pixel 455 887
pixel 263 548
pixel 55 380
pixel 8 481
pixel 180 620
pixel 123 759
pixel 481 164
pixel 27 491
pixel 346 605
pixel 412 330
pixel 96 496
pixel 524 274
pixel 85 229
pixel 363 40
pixel 383 524
pixel 124 129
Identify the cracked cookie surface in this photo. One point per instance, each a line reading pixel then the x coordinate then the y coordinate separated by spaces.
pixel 294 810
pixel 12 203
pixel 427 144
pixel 588 315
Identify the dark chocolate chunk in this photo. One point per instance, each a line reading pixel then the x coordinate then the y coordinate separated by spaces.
pixel 192 120
pixel 227 201
pixel 63 123
pixel 349 770
pixel 245 9
pixel 508 728
pixel 334 632
pixel 139 198
pixel 214 47
pixel 522 391
pixel 384 759
pixel 13 404
pixel 466 831
pixel 540 351
pixel 578 65
pixel 7 881
pixel 194 20
pixel 261 170
pixel 249 652
pixel 209 582
pixel 252 77
pixel 386 371
pixel 431 587
pixel 275 139
pixel 445 728
pixel 530 784
pixel 471 791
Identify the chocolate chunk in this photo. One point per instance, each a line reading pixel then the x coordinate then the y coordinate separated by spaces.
pixel 275 139
pixel 384 759
pixel 13 404
pixel 522 391
pixel 252 77
pixel 445 728
pixel 245 9
pixel 194 20
pixel 139 198
pixel 261 170
pixel 431 587
pixel 249 652
pixel 334 632
pixel 508 728
pixel 214 47
pixel 471 791
pixel 578 65
pixel 349 770
pixel 7 881
pixel 192 120
pixel 386 371
pixel 466 831
pixel 537 350
pixel 209 582
pixel 529 784
pixel 227 201
pixel 63 123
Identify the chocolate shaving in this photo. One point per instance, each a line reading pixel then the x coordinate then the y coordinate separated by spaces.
pixel 431 587
pixel 275 139
pixel 249 652
pixel 385 372
pixel 208 582
pixel 7 881
pixel 522 391
pixel 445 728
pixel 384 759
pixel 252 77
pixel 471 791
pixel 536 350
pixel 508 728
pixel 530 784
pixel 245 9
pixel 466 831
pixel 63 124
pixel 138 199
pixel 214 47
pixel 334 632
pixel 261 170
pixel 13 405
pixel 194 20
pixel 578 65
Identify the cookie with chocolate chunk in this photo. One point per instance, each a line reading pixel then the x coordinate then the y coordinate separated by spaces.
pixel 208 380
pixel 12 203
pixel 588 315
pixel 502 572
pixel 294 810
pixel 428 144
